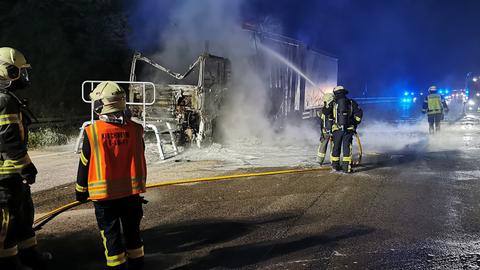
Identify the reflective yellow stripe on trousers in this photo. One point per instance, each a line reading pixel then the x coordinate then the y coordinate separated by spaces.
pixel 135 253
pixel 114 260
pixel 6 252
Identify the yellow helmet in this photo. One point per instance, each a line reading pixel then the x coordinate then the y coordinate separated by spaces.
pixel 12 62
pixel 328 97
pixel 432 89
pixel 108 97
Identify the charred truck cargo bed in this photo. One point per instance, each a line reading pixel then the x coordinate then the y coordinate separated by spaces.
pixel 189 102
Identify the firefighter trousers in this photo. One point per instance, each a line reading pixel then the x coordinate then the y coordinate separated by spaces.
pixel 322 148
pixel 342 144
pixel 16 217
pixel 434 122
pixel 115 216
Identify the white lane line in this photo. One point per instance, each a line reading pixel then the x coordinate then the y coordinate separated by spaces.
pixel 52 154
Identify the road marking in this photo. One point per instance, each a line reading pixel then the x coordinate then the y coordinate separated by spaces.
pixel 52 154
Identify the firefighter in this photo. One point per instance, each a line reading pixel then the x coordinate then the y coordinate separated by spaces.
pixel 18 243
pixel 346 117
pixel 325 128
pixel 434 106
pixel 112 173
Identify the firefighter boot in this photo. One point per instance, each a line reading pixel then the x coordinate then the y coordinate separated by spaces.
pixel 336 166
pixel 347 167
pixel 136 264
pixel 12 263
pixel 35 259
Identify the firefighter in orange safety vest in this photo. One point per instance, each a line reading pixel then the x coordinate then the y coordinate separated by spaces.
pixel 18 243
pixel 112 173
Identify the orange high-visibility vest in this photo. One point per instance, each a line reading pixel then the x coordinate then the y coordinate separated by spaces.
pixel 117 166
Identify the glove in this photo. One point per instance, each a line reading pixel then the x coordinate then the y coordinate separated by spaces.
pixel 81 196
pixel 30 180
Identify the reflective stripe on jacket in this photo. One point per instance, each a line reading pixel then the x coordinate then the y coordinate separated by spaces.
pixel 14 159
pixel 14 166
pixel 13 126
pixel 346 114
pixel 434 104
pixel 117 166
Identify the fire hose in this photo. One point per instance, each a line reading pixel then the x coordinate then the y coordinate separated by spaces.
pixel 44 219
pixel 360 150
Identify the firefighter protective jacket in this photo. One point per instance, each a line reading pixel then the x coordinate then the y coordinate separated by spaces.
pixel 14 159
pixel 326 120
pixel 345 112
pixel 112 162
pixel 434 104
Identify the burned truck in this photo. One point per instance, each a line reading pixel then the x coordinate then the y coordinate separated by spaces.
pixel 186 105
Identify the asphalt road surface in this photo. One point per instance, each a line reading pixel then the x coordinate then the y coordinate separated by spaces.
pixel 415 208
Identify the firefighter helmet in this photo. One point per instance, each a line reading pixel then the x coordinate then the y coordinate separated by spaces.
pixel 432 89
pixel 328 97
pixel 108 97
pixel 339 89
pixel 13 64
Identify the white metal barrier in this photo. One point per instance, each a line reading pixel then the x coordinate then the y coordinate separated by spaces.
pixel 147 127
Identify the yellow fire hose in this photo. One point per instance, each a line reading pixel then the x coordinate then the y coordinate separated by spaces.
pixel 41 221
pixel 360 150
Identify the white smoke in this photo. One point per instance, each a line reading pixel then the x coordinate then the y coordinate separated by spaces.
pixel 219 22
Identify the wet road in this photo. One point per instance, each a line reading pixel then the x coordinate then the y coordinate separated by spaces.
pixel 415 208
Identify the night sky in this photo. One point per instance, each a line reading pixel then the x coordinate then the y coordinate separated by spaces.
pixel 388 46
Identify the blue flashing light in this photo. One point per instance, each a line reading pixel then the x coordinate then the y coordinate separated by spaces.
pixel 404 100
pixel 411 94
pixel 446 91
pixel 405 94
pixel 441 92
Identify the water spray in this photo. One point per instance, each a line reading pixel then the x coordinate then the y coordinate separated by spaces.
pixel 282 59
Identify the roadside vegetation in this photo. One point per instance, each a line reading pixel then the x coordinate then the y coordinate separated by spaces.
pixel 43 137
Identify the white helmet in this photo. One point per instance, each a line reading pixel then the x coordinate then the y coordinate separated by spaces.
pixel 13 65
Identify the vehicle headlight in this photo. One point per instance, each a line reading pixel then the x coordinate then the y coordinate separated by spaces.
pixel 471 102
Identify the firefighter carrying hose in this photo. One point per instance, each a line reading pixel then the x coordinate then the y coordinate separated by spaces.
pixel 112 173
pixel 346 117
pixel 326 123
pixel 18 243
pixel 434 106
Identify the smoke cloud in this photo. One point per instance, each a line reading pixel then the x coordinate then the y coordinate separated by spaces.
pixel 190 24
